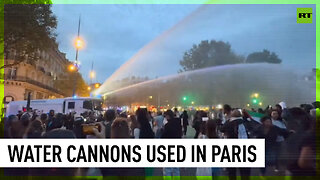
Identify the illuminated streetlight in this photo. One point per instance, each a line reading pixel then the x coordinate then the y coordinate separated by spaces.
pixel 79 43
pixel 260 103
pixel 192 102
pixel 256 95
pixel 92 74
pixel 255 101
pixel 248 105
pixel 89 88
pixel 71 67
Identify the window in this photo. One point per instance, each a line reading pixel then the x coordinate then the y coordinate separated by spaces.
pixel 87 105
pixel 8 99
pixel 71 105
pixel 12 73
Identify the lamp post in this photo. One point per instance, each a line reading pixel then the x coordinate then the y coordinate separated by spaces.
pixel 92 74
pixel 78 44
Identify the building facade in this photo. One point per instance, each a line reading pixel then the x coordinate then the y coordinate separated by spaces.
pixel 37 78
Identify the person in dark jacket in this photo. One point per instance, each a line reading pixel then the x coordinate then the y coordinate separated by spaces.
pixel 109 116
pixel 231 126
pixel 173 128
pixel 50 120
pixel 184 116
pixel 234 128
pixel 269 132
pixel 197 122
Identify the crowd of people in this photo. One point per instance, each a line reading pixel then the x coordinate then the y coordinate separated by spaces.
pixel 289 133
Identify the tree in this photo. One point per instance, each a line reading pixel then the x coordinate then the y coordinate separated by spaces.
pixel 207 54
pixel 29 29
pixel 66 84
pixel 264 56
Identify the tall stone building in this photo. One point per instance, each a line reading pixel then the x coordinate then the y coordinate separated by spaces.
pixel 37 78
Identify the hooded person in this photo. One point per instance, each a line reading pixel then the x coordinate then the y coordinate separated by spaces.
pixel 234 129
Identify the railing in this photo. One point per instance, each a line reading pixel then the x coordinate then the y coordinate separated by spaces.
pixel 30 81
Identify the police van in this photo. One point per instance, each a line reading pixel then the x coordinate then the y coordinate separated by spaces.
pixel 78 105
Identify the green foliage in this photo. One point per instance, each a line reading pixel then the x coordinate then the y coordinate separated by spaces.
pixel 207 54
pixel 27 2
pixel 28 28
pixel 264 56
pixel 216 53
pixel 66 84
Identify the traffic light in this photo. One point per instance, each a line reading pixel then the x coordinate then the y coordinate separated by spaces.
pixel 184 98
pixel 255 101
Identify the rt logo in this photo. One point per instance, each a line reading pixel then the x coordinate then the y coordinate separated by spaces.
pixel 304 15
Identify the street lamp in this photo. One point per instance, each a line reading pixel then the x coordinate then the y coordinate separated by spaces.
pixel 78 45
pixel 71 67
pixel 92 74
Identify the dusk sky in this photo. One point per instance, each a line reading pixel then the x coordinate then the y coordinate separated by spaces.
pixel 114 34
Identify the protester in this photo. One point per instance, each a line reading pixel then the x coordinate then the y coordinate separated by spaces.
pixel 196 124
pixel 109 116
pixel 13 127
pixel 209 130
pixel 158 124
pixel 56 134
pixel 44 118
pixel 176 113
pixel 34 130
pixel 185 121
pixel 145 128
pixel 172 129
pixel 298 148
pixel 269 132
pixel 50 120
pixel 226 112
pixel 77 129
pixel 234 129
pixel 277 121
pixel 134 127
pixel 305 164
pixel 120 128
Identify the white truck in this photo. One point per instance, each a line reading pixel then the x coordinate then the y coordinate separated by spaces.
pixel 63 105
